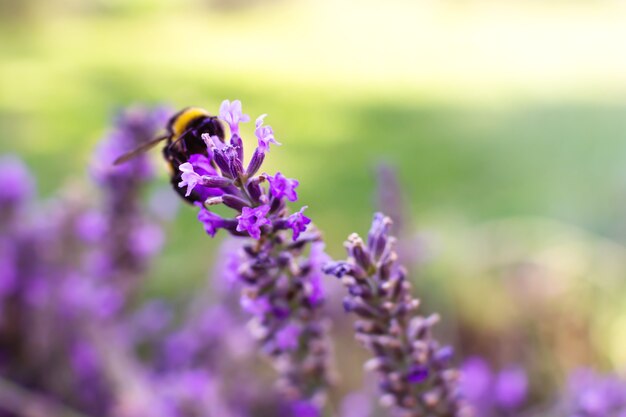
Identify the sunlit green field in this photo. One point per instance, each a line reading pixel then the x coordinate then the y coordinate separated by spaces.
pixel 484 120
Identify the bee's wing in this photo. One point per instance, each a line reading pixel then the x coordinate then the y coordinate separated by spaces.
pixel 140 149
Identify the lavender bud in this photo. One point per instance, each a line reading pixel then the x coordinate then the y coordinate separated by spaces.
pixel 213 181
pixel 236 141
pixel 234 202
pixel 255 163
pixel 254 189
pixel 222 161
pixel 360 252
pixel 338 269
pixel 235 164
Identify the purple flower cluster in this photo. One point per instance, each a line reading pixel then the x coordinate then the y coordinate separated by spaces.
pixel 590 394
pixel 416 375
pixel 493 393
pixel 71 269
pixel 279 267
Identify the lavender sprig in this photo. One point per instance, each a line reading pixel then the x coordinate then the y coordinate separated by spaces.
pixel 282 285
pixel 71 271
pixel 124 235
pixel 416 375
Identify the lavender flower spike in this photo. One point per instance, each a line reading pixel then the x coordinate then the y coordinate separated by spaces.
pixel 416 376
pixel 282 286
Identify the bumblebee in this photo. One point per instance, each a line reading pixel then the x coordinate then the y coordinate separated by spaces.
pixel 183 138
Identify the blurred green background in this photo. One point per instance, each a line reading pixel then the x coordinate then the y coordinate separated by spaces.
pixel 505 120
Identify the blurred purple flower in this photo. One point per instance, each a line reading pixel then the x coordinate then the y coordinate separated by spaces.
pixel 511 388
pixel 590 394
pixel 287 338
pixel 357 404
pixel 150 319
pixel 16 182
pixel 258 306
pixel 476 378
pixel 303 409
pixel 146 240
pixel 314 287
pixel 493 392
pixel 91 226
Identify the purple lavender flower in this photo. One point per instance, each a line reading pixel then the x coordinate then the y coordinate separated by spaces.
pixel 511 388
pixel 16 182
pixel 225 278
pixel 133 126
pixel 211 221
pixel 131 238
pixel 416 376
pixel 287 338
pixel 189 178
pixel 314 288
pixel 252 219
pixel 281 186
pixel 590 394
pixel 476 380
pixel 357 404
pixel 146 240
pixel 231 113
pixel 149 320
pixel 264 134
pixel 91 227
pixel 298 222
pixel 493 393
pixel 282 287
pixel 303 409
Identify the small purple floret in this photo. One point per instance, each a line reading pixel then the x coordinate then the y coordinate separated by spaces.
pixel 231 113
pixel 304 409
pixel 189 178
pixel 211 221
pixel 298 222
pixel 252 219
pixel 417 374
pixel 265 134
pixel 287 337
pixel 511 387
pixel 16 182
pixel 281 186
